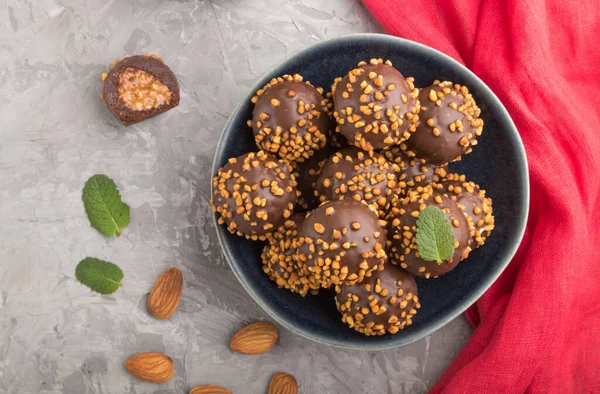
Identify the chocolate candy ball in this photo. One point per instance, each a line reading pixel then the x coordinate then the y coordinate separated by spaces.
pixel 375 106
pixel 306 174
pixel 358 175
pixel 402 226
pixel 414 172
pixel 279 262
pixel 476 205
pixel 139 87
pixel 384 302
pixel 254 194
pixel 449 123
pixel 290 118
pixel 341 242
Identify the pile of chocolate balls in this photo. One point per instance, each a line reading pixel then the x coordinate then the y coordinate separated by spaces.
pixel 337 183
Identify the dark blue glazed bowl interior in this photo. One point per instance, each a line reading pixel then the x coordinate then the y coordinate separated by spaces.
pixel 498 164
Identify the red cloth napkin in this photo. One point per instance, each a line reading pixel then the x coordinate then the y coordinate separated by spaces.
pixel 538 327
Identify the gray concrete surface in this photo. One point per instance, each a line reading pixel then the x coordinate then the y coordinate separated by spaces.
pixel 58 337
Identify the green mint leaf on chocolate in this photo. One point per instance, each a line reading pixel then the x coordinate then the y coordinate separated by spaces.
pixel 103 205
pixel 101 276
pixel 435 240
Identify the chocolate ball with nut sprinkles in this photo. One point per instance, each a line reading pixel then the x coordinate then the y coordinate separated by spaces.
pixel 306 174
pixel 384 303
pixel 476 205
pixel 375 107
pixel 401 233
pixel 254 194
pixel 449 123
pixel 361 176
pixel 278 258
pixel 290 118
pixel 413 172
pixel 341 242
pixel 139 87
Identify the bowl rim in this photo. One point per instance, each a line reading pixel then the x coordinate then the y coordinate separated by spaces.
pixel 462 307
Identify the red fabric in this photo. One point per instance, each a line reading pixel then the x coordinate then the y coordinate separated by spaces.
pixel 538 327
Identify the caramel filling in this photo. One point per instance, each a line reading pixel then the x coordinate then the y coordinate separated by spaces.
pixel 140 90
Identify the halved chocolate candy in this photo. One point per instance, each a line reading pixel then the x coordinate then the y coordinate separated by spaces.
pixel 139 87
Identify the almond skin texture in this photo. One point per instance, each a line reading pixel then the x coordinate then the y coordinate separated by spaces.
pixel 283 383
pixel 154 367
pixel 165 294
pixel 209 389
pixel 255 338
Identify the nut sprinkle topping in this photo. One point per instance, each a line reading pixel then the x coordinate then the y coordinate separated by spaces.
pixel 361 176
pixel 375 106
pixel 341 242
pixel 279 260
pixel 384 303
pixel 402 230
pixel 476 205
pixel 254 194
pixel 290 118
pixel 449 124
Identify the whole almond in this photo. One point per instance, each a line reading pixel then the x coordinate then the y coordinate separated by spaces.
pixel 165 294
pixel 209 389
pixel 255 338
pixel 154 367
pixel 283 383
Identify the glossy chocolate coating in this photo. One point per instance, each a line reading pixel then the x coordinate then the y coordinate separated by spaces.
pixel 401 233
pixel 358 175
pixel 341 242
pixel 476 205
pixel 449 124
pixel 290 118
pixel 414 172
pixel 383 303
pixel 254 194
pixel 375 106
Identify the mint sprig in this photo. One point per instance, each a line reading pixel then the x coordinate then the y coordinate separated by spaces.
pixel 435 240
pixel 99 275
pixel 103 205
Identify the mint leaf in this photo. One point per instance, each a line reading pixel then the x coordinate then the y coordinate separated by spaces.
pixel 103 205
pixel 101 276
pixel 435 240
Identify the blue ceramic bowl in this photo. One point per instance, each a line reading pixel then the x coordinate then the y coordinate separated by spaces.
pixel 498 164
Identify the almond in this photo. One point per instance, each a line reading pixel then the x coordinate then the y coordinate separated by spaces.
pixel 209 389
pixel 154 367
pixel 255 338
pixel 165 294
pixel 283 383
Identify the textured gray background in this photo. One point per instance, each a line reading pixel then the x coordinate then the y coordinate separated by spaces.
pixel 56 336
